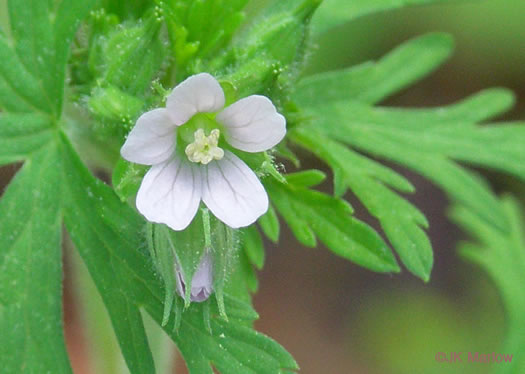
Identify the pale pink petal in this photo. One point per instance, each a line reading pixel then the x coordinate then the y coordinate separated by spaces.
pixel 232 191
pixel 152 140
pixel 252 124
pixel 199 93
pixel 170 193
pixel 202 282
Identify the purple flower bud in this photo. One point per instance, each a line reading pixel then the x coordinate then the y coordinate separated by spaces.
pixel 202 282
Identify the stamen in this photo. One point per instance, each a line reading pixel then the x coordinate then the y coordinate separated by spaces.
pixel 205 148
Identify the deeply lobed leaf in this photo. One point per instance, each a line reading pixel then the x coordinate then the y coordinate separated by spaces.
pixel 32 338
pixel 23 134
pixel 426 140
pixel 312 214
pixel 372 82
pixel 402 223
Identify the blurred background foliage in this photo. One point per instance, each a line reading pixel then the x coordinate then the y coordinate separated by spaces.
pixel 336 317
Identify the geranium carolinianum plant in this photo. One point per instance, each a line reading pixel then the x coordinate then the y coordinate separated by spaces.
pixel 76 76
pixel 187 145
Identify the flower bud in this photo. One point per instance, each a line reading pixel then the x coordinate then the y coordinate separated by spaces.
pixel 110 104
pixel 202 282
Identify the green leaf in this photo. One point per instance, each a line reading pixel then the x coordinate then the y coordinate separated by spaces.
pixel 32 339
pixel 21 135
pixel 20 90
pixel 333 13
pixel 97 221
pixel 373 82
pixel 41 36
pixel 426 140
pixel 402 223
pixel 476 108
pixel 498 146
pixel 306 178
pixel 312 214
pixel 32 32
pixel 429 148
pixel 502 256
pixel 270 224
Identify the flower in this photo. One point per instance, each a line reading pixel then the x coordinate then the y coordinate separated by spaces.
pixel 188 146
pixel 202 282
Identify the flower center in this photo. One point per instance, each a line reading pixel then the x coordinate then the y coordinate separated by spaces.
pixel 205 148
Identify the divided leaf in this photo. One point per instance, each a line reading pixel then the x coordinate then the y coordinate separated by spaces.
pixel 311 214
pixel 426 150
pixel 33 54
pixel 32 339
pixel 32 73
pixel 101 226
pixel 22 134
pixel 402 223
pixel 428 141
pixel 372 82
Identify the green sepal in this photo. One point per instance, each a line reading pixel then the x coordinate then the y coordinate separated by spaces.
pixel 224 250
pixel 189 247
pixel 163 257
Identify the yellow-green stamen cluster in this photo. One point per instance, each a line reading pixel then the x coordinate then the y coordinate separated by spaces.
pixel 205 148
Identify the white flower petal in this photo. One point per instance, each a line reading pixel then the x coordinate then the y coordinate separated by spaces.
pixel 252 124
pixel 152 140
pixel 170 193
pixel 232 191
pixel 198 93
